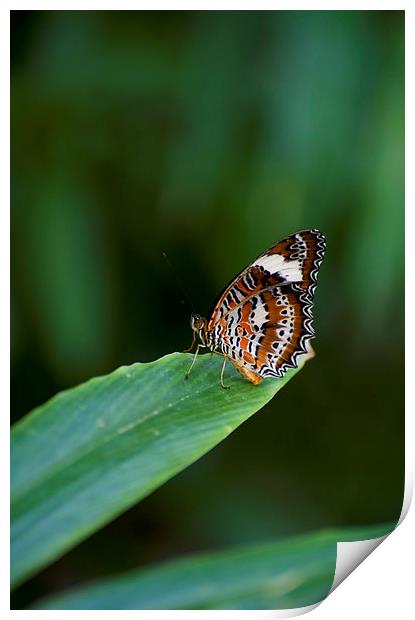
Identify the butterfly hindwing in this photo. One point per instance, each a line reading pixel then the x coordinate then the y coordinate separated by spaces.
pixel 268 332
pixel 263 319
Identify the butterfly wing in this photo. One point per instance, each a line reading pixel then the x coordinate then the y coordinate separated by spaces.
pixel 263 319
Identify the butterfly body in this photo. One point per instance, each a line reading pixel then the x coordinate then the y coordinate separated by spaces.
pixel 262 321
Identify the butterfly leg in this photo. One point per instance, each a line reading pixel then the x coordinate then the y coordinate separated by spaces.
pixel 191 346
pixel 199 346
pixel 225 387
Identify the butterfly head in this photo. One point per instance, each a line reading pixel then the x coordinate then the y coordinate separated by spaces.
pixel 198 324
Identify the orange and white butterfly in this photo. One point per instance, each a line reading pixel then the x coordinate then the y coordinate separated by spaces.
pixel 262 320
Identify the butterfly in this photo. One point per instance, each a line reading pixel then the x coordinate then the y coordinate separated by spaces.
pixel 262 320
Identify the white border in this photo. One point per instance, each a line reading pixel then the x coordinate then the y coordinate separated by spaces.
pixel 212 5
pixel 5 306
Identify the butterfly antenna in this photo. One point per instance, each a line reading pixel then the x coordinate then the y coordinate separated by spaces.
pixel 179 282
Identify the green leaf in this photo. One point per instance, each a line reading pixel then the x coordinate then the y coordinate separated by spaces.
pixel 277 575
pixel 95 450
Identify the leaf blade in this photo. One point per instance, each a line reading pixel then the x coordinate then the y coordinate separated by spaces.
pixel 294 572
pixel 93 451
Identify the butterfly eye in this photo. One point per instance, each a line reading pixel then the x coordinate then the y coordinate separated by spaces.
pixel 197 322
pixel 193 319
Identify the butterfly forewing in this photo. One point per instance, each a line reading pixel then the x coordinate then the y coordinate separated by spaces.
pixel 263 318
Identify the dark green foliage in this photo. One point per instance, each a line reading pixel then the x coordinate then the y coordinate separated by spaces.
pixel 280 575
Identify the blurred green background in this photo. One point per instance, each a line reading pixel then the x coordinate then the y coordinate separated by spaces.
pixel 211 135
